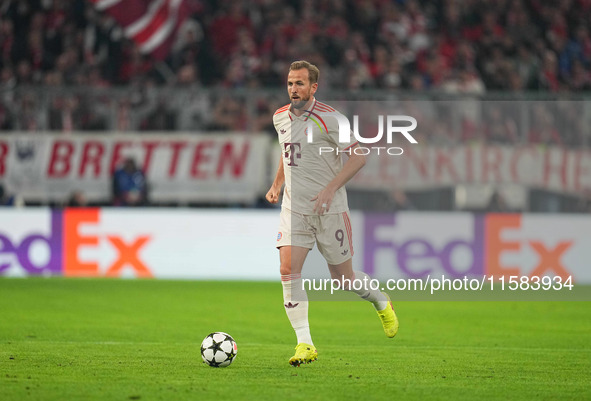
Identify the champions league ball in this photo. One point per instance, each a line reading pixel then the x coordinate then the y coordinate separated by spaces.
pixel 218 349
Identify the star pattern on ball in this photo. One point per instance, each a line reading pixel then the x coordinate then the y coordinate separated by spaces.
pixel 216 346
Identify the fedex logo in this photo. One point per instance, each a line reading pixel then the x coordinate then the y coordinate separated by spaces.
pixel 497 245
pixel 64 244
pixel 418 255
pixel 531 256
pixel 35 252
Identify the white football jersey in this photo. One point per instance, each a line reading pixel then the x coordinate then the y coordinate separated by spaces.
pixel 311 163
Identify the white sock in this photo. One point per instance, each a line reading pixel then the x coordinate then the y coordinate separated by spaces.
pixel 295 302
pixel 379 300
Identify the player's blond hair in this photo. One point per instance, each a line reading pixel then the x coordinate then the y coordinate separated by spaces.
pixel 313 71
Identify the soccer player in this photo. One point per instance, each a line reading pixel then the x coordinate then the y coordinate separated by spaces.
pixel 314 207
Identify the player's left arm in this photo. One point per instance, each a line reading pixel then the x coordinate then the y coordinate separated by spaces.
pixel 350 168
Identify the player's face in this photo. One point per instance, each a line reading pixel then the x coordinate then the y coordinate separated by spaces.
pixel 299 88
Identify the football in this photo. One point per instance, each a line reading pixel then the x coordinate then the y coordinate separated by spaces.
pixel 218 349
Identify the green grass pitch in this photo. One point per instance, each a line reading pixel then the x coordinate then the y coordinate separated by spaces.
pixel 95 339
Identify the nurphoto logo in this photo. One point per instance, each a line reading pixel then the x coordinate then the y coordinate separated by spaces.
pixel 390 129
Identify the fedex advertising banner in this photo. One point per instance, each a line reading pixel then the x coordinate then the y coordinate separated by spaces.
pixel 143 243
pixel 222 244
pixel 219 167
pixel 416 245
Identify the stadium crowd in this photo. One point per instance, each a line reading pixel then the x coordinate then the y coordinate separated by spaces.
pixel 64 66
pixel 447 46
pixel 468 45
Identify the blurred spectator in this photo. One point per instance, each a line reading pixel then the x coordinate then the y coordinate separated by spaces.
pixel 65 114
pixel 570 125
pixel 161 118
pixel 497 204
pixel 7 199
pixel 391 78
pixel 77 199
pixel 465 82
pixel 499 127
pixel 543 130
pixel 548 78
pixel 7 82
pixel 187 76
pixel 226 26
pixel 135 65
pixel 24 73
pixel 267 73
pixel 399 201
pixel 262 122
pixel 123 116
pixel 526 66
pixel 27 118
pixel 228 115
pixel 580 78
pixel 6 118
pixel 583 204
pixel 130 187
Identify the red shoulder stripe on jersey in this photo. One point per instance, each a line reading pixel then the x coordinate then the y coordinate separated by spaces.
pixel 327 106
pixel 350 146
pixel 325 110
pixel 282 109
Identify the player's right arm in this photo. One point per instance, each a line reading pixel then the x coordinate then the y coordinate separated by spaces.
pixel 275 190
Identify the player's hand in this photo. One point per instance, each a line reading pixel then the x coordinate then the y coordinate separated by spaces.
pixel 273 195
pixel 323 200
